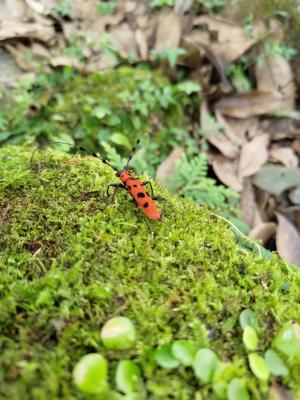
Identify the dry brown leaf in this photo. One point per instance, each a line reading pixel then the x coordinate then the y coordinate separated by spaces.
pixel 17 29
pixel 142 44
pixel 230 130
pixel 284 155
pixel 84 10
pixel 167 169
pixel 245 105
pixel 12 10
pixel 168 31
pixel 288 240
pixel 214 135
pixel 263 231
pixel 253 155
pixel 232 42
pixel 296 146
pixel 36 6
pixel 226 171
pixel 279 392
pixel 274 73
pixel 19 54
pixel 125 39
pixel 250 211
pixel 183 6
pixel 62 61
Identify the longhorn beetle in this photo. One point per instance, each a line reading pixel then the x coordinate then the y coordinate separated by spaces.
pixel 133 185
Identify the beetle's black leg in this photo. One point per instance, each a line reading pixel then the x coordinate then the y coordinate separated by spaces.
pixel 116 187
pixel 148 183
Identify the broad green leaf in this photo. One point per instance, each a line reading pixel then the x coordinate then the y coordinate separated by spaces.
pixel 118 333
pixel 288 340
pixel 164 357
pixel 128 375
pixel 121 140
pixel 275 364
pixel 90 374
pixel 258 366
pixel 250 338
pixel 247 317
pixel 285 178
pixel 101 112
pixel 184 351
pixel 237 390
pixel 205 364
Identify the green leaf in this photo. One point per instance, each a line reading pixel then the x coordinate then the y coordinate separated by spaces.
pixel 120 139
pixel 4 135
pixel 250 338
pixel 205 364
pixel 118 333
pixel 294 195
pixel 284 177
pixel 128 376
pixel 189 87
pixel 258 366
pixel 184 351
pixel 288 340
pixel 275 364
pixel 101 112
pixel 247 317
pixel 237 390
pixel 90 374
pixel 164 357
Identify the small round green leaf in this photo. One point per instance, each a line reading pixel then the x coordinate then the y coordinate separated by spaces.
pixel 250 338
pixel 275 364
pixel 258 366
pixel 118 333
pixel 248 318
pixel 288 340
pixel 128 376
pixel 184 351
pixel 90 374
pixel 205 364
pixel 164 357
pixel 237 390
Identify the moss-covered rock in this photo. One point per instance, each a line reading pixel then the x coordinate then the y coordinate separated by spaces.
pixel 70 262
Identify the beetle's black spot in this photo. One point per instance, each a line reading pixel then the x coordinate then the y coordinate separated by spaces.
pixel 141 195
pixel 145 205
pixel 128 187
pixel 134 185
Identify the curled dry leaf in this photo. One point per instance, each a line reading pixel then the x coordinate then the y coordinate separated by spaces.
pixel 296 146
pixel 250 211
pixel 61 61
pixel 288 240
pixel 230 130
pixel 279 392
pixel 263 231
pixel 214 135
pixel 168 31
pixel 253 155
pixel 125 39
pixel 12 10
pixel 226 171
pixel 274 73
pixel 17 29
pixel 232 42
pixel 167 168
pixel 284 155
pixel 245 105
pixel 142 44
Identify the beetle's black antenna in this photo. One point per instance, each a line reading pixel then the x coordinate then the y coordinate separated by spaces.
pixel 131 154
pixel 77 147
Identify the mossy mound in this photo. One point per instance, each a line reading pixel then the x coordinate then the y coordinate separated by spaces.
pixel 69 263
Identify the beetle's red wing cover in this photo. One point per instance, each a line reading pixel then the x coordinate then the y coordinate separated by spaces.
pixel 143 199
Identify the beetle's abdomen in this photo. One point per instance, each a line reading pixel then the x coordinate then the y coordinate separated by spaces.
pixel 142 198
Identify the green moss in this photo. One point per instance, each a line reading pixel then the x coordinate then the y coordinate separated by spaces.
pixel 69 263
